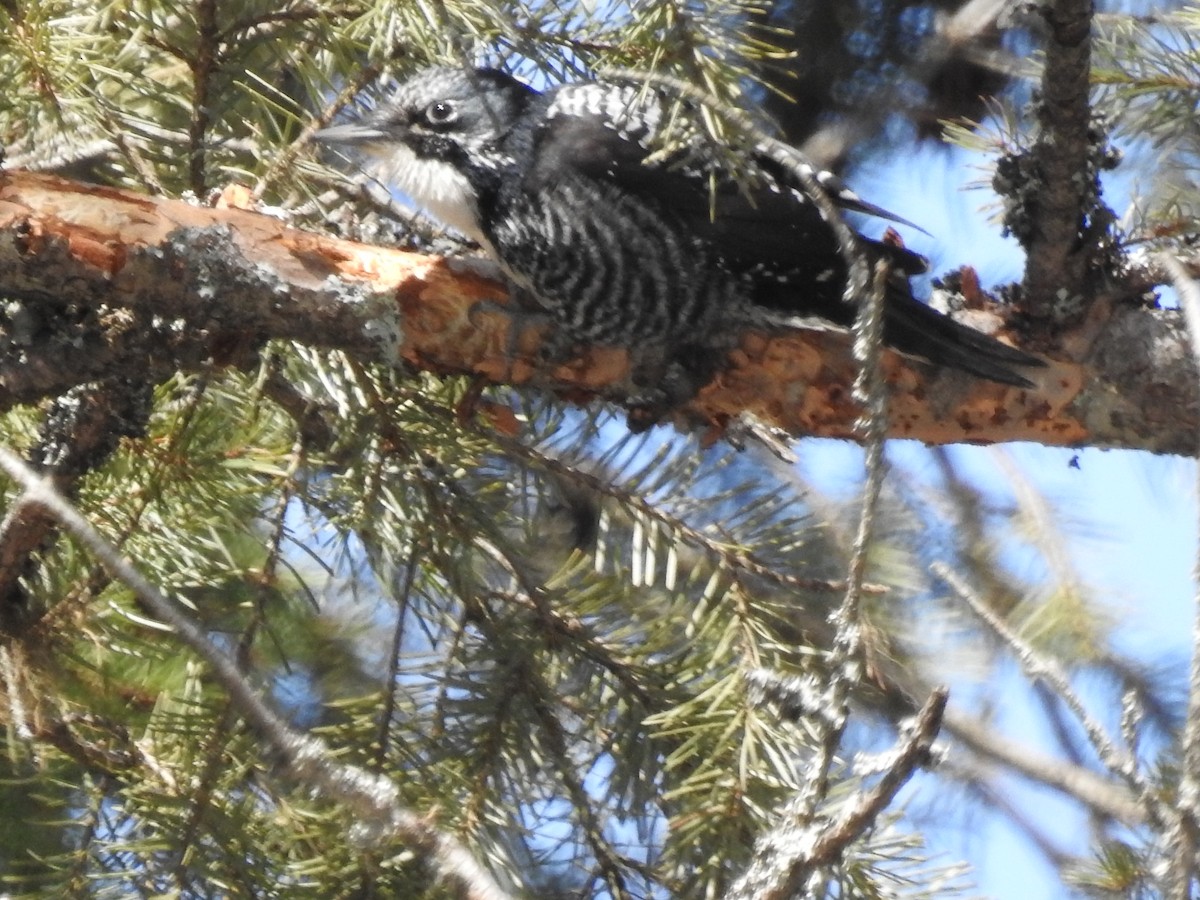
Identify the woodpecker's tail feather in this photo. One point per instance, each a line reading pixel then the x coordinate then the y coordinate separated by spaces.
pixel 916 329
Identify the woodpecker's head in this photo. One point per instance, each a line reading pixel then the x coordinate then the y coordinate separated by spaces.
pixel 438 137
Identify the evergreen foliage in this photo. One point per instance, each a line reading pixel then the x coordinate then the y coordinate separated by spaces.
pixel 599 660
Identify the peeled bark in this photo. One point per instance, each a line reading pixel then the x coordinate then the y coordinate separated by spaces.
pixel 95 275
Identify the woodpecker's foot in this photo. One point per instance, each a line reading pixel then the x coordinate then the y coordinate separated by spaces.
pixel 521 316
pixel 666 386
pixel 557 346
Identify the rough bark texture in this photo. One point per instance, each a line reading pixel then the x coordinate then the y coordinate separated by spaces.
pixel 1060 249
pixel 96 277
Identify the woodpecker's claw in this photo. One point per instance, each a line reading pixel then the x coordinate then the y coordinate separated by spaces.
pixel 668 383
pixel 554 348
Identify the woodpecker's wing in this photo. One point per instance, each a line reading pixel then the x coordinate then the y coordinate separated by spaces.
pixel 763 224
pixel 768 229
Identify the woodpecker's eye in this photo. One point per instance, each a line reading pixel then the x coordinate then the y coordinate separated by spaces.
pixel 440 113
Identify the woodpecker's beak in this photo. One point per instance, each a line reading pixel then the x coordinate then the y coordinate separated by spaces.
pixel 348 134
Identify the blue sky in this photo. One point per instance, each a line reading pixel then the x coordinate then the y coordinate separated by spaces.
pixel 1131 516
pixel 1136 536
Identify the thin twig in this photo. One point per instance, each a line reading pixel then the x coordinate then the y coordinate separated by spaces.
pixel 914 751
pixel 1102 797
pixel 373 799
pixel 846 661
pixel 282 163
pixel 554 734
pixel 795 849
pixel 801 842
pixel 871 391
pixel 1185 839
pixel 386 714
pixel 1040 668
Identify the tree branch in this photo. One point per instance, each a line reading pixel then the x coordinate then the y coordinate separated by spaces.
pixel 375 800
pixel 799 844
pixel 1104 796
pixel 1042 668
pixel 97 276
pixel 1060 256
pixel 1184 834
pixel 79 431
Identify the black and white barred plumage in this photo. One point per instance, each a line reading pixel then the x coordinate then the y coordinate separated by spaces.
pixel 667 256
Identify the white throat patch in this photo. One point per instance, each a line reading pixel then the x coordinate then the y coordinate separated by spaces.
pixel 434 185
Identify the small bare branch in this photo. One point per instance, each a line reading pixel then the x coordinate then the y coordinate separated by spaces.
pixel 846 670
pixel 1107 798
pixel 799 845
pixel 79 431
pixel 374 800
pixel 1184 838
pixel 1039 668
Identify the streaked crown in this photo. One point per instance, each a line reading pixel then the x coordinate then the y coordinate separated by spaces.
pixel 439 112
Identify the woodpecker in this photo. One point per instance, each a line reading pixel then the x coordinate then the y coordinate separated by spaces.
pixel 667 255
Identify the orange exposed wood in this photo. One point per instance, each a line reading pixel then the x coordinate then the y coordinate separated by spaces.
pixel 797 381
